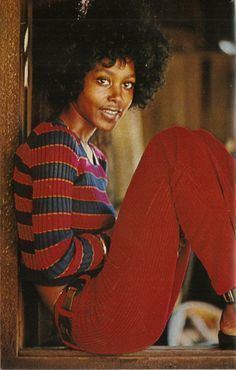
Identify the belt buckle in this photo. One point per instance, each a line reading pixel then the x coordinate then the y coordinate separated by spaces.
pixel 230 296
pixel 71 292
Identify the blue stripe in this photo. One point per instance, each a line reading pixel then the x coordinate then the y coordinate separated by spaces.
pixel 22 190
pixel 53 170
pixel 87 255
pixel 45 240
pixel 86 207
pixel 62 264
pixel 52 205
pixel 88 179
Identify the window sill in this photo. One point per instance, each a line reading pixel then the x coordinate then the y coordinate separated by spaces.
pixel 154 357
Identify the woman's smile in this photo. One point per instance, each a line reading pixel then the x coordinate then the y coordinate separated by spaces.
pixel 112 114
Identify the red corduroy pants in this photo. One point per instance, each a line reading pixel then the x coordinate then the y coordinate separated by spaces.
pixel 184 178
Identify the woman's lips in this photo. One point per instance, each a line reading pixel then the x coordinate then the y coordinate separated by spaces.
pixel 111 113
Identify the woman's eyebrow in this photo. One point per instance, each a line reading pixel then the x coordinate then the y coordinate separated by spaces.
pixel 131 76
pixel 109 72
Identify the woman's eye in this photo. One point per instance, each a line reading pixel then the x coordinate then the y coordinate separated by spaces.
pixel 128 85
pixel 103 81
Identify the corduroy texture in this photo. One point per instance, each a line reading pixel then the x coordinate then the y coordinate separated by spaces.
pixel 184 178
pixel 62 208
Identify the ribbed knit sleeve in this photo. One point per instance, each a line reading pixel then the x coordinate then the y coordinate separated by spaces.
pixel 60 249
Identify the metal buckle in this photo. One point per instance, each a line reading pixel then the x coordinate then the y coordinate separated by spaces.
pixel 71 292
pixel 70 295
pixel 230 296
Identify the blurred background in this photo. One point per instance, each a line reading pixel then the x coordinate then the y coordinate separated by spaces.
pixel 199 93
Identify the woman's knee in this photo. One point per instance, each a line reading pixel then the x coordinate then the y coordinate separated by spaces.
pixel 169 141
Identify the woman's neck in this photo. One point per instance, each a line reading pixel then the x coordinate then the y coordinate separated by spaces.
pixel 76 123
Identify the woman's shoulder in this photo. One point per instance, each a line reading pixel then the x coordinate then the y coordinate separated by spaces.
pixel 45 135
pixel 51 132
pixel 50 126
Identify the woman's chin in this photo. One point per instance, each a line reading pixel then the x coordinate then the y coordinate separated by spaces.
pixel 107 127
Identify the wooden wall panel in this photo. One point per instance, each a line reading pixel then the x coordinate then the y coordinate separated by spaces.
pixel 10 11
pixel 198 93
pixel 219 113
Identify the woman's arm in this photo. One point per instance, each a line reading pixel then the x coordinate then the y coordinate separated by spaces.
pixel 59 253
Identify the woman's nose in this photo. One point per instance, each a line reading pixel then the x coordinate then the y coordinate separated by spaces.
pixel 115 94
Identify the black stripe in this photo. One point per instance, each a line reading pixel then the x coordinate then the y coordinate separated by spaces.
pixel 24 218
pixel 54 138
pixel 20 165
pixel 103 164
pixel 55 121
pixel 107 240
pixel 39 277
pixel 22 190
pixel 26 246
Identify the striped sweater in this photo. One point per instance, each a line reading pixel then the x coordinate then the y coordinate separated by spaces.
pixel 63 213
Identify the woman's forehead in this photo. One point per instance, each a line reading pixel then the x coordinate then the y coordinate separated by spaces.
pixel 120 65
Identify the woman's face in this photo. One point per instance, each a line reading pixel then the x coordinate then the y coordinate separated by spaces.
pixel 107 94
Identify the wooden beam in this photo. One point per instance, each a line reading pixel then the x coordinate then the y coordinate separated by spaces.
pixel 10 11
pixel 152 358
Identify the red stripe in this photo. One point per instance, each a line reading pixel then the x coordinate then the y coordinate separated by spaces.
pixel 63 221
pixel 91 222
pixel 21 177
pixel 98 254
pixel 25 232
pixel 24 153
pixel 43 259
pixel 52 187
pixel 76 261
pixel 51 222
pixel 54 153
pixel 90 194
pixel 23 204
pixel 45 127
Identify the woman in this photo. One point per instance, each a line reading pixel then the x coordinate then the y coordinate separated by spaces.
pixel 112 287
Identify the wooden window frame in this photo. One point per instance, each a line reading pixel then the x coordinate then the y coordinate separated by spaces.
pixel 14 355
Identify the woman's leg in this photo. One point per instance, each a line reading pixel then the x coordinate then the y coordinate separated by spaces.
pixel 183 178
